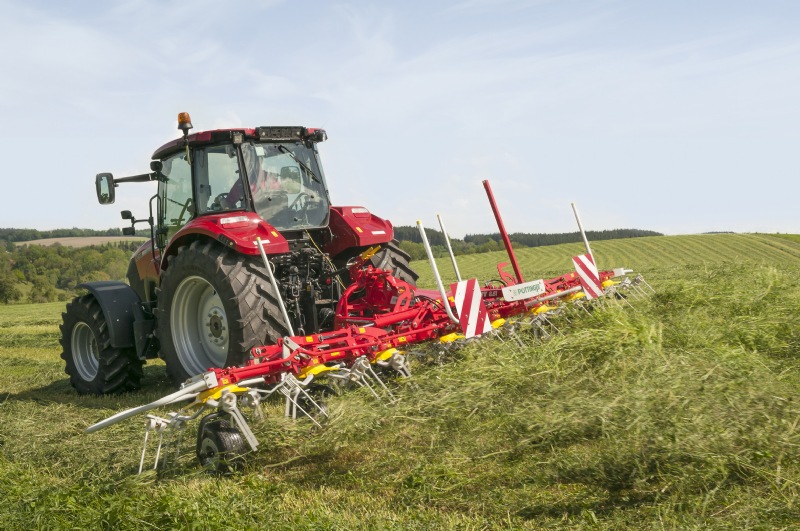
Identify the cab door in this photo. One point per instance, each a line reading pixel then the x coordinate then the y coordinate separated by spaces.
pixel 176 206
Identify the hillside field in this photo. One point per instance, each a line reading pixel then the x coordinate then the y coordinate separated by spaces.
pixel 682 411
pixel 82 241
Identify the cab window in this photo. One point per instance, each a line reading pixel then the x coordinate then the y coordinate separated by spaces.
pixel 176 206
pixel 218 185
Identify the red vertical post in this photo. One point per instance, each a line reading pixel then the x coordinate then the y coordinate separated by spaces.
pixel 503 233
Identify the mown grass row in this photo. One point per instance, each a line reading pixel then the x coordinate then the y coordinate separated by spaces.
pixel 683 412
pixel 663 256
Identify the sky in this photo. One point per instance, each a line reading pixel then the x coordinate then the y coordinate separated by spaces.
pixel 680 117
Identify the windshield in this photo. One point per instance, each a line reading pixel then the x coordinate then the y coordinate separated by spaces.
pixel 286 184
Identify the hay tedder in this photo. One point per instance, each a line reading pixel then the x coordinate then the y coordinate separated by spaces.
pixel 352 321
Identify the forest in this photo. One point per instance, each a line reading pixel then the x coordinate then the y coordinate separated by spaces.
pixel 38 273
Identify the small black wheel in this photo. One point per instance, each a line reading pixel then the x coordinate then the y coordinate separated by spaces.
pixel 93 365
pixel 220 447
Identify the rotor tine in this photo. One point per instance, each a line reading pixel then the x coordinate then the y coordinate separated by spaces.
pixel 158 450
pixel 380 382
pixel 653 291
pixel 291 402
pixel 638 289
pixel 147 423
pixel 553 326
pixel 181 427
pixel 366 384
pixel 307 414
pixel 313 402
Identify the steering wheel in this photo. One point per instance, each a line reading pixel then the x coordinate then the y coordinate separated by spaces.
pixel 295 205
pixel 185 207
pixel 217 204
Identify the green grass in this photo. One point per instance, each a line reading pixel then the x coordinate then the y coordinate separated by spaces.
pixel 683 412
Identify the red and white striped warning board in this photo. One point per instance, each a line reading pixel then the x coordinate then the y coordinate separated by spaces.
pixel 471 310
pixel 590 278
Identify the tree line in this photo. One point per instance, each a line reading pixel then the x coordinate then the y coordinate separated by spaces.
pixel 26 235
pixel 38 273
pixel 411 240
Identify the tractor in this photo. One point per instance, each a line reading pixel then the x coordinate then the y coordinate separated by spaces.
pixel 199 295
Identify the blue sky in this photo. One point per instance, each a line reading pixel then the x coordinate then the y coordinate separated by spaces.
pixel 680 117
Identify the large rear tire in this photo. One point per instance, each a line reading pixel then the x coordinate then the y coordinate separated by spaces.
pixel 93 365
pixel 392 258
pixel 214 305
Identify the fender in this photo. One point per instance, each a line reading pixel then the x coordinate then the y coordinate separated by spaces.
pixel 117 300
pixel 354 227
pixel 235 230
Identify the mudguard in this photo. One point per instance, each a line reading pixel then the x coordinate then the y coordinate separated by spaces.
pixel 117 300
pixel 356 227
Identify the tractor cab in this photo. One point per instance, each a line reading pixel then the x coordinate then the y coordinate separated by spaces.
pixel 272 171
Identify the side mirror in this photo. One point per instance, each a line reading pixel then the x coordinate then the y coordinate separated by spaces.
pixel 128 231
pixel 104 183
pixel 126 214
pixel 156 166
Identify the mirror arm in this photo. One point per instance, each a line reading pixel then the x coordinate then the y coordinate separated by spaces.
pixel 142 178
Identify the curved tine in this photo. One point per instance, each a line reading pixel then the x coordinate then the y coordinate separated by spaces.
pixel 122 415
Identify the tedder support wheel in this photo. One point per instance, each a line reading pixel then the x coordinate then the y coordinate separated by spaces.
pixel 214 305
pixel 93 365
pixel 220 447
pixel 392 258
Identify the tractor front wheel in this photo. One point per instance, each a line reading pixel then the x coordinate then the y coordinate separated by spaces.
pixel 392 258
pixel 93 365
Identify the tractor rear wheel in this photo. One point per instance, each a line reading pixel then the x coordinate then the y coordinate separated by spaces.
pixel 93 365
pixel 392 258
pixel 214 305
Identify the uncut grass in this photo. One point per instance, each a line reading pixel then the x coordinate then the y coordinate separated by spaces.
pixel 681 413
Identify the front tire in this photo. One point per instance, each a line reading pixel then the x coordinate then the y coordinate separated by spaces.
pixel 392 258
pixel 214 305
pixel 93 365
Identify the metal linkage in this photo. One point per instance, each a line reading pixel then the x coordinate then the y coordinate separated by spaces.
pixel 362 374
pixel 229 404
pixel 157 425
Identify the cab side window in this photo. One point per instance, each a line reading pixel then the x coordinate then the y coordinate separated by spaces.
pixel 176 205
pixel 218 184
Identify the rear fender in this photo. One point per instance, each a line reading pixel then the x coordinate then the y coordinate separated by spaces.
pixel 234 230
pixel 117 300
pixel 353 227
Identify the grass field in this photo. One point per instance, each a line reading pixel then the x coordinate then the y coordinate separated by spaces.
pixel 83 241
pixel 683 412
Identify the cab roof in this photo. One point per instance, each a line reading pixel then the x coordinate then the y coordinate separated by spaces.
pixel 264 134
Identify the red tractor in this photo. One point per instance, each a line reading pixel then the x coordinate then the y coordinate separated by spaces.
pixel 198 294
